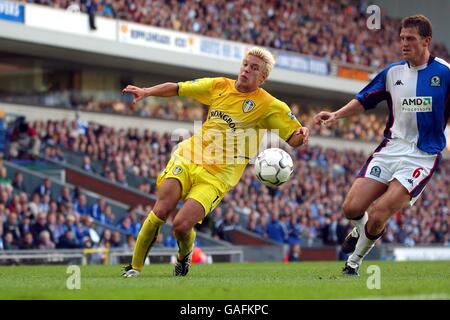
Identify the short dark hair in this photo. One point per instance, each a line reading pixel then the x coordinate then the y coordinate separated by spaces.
pixel 422 23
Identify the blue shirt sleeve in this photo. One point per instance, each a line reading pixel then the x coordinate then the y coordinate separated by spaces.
pixel 374 92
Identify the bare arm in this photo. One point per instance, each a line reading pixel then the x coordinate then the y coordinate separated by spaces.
pixel 328 118
pixel 299 137
pixel 168 89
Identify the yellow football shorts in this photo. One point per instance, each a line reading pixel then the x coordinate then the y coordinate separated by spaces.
pixel 196 182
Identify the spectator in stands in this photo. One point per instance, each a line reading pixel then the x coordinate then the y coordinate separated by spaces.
pixel 27 242
pixel 24 142
pixel 39 226
pixel 130 242
pixel 4 177
pixel 330 230
pixel 126 225
pixel 45 242
pixel 45 188
pixel 109 215
pixel 8 242
pixel 97 210
pixel 11 225
pixel 55 223
pixel 70 223
pixel 88 221
pixel 87 164
pixel 80 205
pixel 294 230
pixel 105 238
pixel 64 197
pixel 25 225
pixel 92 7
pixel 276 229
pixel 116 239
pixel 226 225
pixel 68 241
pixel 44 204
pixel 294 254
pixel 18 182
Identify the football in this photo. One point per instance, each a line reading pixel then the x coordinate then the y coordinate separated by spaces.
pixel 273 167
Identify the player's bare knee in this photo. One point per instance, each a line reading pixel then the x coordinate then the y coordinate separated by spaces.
pixel 181 228
pixel 351 209
pixel 163 209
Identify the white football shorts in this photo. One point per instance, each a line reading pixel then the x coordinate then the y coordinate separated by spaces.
pixel 401 160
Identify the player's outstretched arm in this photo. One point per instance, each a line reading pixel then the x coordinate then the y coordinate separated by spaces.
pixel 168 89
pixel 329 118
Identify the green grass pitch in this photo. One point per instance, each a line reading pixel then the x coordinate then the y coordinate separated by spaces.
pixel 237 281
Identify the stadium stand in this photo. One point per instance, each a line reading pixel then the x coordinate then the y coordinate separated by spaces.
pixel 321 28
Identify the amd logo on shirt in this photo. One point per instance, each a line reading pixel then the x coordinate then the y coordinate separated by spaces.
pixel 417 104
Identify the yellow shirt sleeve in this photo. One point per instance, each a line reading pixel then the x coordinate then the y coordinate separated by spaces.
pixel 199 89
pixel 280 117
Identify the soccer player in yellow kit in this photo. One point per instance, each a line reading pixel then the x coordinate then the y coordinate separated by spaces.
pixel 207 165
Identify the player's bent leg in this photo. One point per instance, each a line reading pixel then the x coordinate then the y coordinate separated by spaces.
pixel 168 196
pixel 394 199
pixel 363 192
pixel 361 195
pixel 183 227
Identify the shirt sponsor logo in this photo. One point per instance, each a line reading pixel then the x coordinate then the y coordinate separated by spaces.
pixel 417 104
pixel 224 117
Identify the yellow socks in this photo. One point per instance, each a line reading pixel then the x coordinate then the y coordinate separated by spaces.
pixel 145 240
pixel 186 244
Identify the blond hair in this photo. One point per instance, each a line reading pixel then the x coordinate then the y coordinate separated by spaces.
pixel 265 55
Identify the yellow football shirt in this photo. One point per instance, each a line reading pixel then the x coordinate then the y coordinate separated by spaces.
pixel 234 127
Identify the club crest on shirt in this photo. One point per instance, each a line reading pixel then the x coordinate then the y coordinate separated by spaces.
pixel 177 170
pixel 435 81
pixel 375 171
pixel 292 115
pixel 248 106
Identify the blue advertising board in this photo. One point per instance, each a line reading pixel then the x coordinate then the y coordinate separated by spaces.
pixel 12 11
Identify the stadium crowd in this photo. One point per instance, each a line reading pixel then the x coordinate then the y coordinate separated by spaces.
pixel 305 210
pixel 41 220
pixel 323 28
